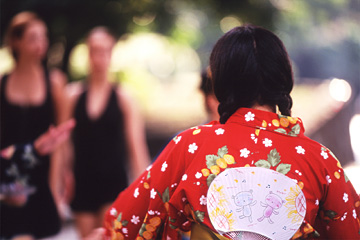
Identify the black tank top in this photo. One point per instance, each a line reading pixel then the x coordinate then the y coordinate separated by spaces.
pixel 100 154
pixel 20 125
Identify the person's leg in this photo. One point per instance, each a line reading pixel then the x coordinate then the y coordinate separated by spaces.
pixel 23 237
pixel 85 223
pixel 101 214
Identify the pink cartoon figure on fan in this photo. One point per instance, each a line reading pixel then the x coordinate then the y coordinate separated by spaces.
pixel 272 203
pixel 244 200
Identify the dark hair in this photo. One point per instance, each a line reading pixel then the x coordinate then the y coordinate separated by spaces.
pixel 250 65
pixel 17 27
pixel 205 85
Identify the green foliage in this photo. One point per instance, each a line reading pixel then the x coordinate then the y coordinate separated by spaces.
pixel 273 160
pixel 331 214
pixel 222 151
pixel 263 163
pixel 211 160
pixel 119 217
pixel 295 130
pixel 283 168
pixel 274 157
pixel 199 216
pixel 210 178
pixel 165 196
pixel 193 23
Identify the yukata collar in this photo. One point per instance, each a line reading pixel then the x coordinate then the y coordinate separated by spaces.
pixel 269 121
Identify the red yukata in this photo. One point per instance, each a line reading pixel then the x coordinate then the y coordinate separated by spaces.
pixel 170 195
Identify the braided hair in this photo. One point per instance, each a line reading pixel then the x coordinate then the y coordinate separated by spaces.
pixel 250 65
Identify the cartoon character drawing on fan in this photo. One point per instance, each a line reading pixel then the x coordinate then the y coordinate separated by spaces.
pixel 244 200
pixel 272 203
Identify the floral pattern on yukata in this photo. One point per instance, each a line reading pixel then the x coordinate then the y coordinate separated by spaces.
pixel 171 195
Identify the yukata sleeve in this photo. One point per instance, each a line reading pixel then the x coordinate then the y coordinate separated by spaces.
pixel 340 207
pixel 141 210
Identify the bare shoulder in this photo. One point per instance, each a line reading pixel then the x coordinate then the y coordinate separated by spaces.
pixel 123 95
pixel 74 89
pixel 58 78
pixel 126 102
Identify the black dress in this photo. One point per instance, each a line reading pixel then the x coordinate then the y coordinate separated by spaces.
pixel 100 155
pixel 20 125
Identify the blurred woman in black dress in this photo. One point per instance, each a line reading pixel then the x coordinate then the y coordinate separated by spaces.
pixel 32 98
pixel 109 136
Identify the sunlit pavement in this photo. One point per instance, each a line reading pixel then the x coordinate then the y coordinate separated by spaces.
pixel 352 171
pixel 68 232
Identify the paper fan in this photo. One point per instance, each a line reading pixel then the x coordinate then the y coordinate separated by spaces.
pixel 250 201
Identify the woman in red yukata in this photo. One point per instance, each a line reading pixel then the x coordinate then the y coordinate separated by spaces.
pixel 252 79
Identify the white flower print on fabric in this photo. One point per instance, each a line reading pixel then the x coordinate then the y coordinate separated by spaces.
pixel 253 137
pixel 328 179
pixel 113 212
pixel 164 166
pixel 249 116
pixel 354 214
pixel 135 219
pixel 300 150
pixel 149 167
pixel 219 131
pixel 267 142
pixel 177 139
pixel 344 217
pixel 184 177
pixel 324 155
pixel 198 175
pixel 153 194
pixel 244 153
pixel 346 197
pixel 151 212
pixel 317 202
pixel 125 231
pixel 136 193
pixel 192 148
pixel 202 200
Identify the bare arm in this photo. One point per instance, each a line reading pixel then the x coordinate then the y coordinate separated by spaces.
pixel 46 142
pixel 61 104
pixel 135 134
pixel 43 145
pixel 60 155
pixel 73 91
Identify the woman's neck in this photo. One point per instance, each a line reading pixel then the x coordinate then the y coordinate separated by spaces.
pixel 98 80
pixel 266 108
pixel 27 70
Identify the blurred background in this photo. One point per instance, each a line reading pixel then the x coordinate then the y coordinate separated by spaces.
pixel 165 44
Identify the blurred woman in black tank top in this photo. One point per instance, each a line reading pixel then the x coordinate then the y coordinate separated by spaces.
pixel 108 138
pixel 31 99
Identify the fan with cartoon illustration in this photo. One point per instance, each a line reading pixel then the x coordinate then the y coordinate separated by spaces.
pixel 255 203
